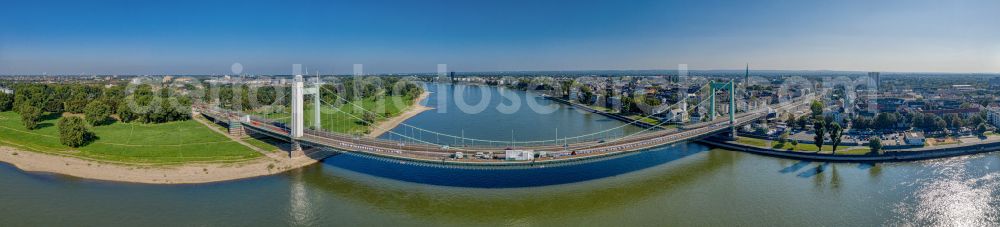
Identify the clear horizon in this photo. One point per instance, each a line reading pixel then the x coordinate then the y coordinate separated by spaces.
pixel 189 37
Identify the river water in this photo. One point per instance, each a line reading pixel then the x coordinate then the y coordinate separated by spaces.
pixel 684 184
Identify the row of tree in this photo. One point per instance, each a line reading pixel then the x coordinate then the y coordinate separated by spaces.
pixel 247 98
pixel 821 129
pixel 892 120
pixel 925 121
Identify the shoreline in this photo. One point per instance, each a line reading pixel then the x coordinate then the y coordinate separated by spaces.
pixel 890 156
pixel 194 173
pixel 389 124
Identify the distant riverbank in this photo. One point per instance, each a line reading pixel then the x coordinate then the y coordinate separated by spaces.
pixel 615 116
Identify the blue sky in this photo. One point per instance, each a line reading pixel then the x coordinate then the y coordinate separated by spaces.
pixel 266 37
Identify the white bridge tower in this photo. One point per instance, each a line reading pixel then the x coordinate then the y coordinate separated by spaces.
pixel 299 91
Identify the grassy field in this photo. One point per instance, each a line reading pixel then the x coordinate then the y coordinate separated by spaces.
pixel 340 119
pixel 752 141
pixel 602 109
pixel 648 120
pixel 264 143
pixel 167 143
pixel 802 147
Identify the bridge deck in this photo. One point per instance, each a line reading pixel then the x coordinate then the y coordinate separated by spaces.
pixel 429 153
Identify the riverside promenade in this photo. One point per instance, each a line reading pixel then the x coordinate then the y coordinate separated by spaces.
pixel 896 155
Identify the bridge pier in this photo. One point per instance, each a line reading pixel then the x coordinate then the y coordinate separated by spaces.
pixel 296 150
pixel 732 133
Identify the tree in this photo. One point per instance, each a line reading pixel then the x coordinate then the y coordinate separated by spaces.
pixel 820 128
pixel 368 118
pixel 783 138
pixel 6 102
pixel 817 108
pixel 627 104
pixel 835 132
pixel 646 100
pixel 30 94
pixel 875 144
pixel 587 96
pixel 97 112
pixel 861 123
pixel 975 120
pixel 886 120
pixel 939 123
pixel 760 131
pixel 55 96
pixel 566 86
pixel 953 120
pixel 30 115
pixel 981 129
pixel 73 131
pixel 916 120
pixel 124 113
pixel 115 94
pixel 76 103
pixel 803 121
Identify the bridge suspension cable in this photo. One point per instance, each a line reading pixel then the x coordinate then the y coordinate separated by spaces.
pixel 647 129
pixel 514 142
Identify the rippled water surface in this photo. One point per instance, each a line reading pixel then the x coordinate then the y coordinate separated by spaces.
pixel 715 187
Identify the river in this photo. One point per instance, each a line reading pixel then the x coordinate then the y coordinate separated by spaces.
pixel 684 184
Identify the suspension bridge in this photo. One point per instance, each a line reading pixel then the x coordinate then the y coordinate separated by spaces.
pixel 482 152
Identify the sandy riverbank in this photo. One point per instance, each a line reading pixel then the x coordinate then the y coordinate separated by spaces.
pixel 149 174
pixel 271 163
pixel 391 123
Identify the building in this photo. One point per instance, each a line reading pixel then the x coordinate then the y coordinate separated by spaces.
pixel 962 88
pixel 676 115
pixel 875 77
pixel 695 117
pixel 615 103
pixel 962 112
pixel 914 138
pixel 746 77
pixel 609 95
pixel 993 116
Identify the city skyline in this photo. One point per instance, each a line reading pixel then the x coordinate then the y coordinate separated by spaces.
pixel 391 37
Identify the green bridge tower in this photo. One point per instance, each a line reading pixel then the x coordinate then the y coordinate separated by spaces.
pixel 731 87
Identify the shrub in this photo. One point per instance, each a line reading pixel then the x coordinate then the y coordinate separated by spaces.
pixel 97 112
pixel 73 131
pixel 30 115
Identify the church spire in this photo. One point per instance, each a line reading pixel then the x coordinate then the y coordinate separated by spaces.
pixel 746 77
